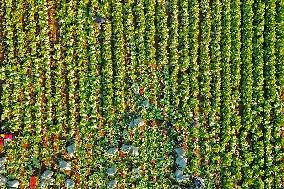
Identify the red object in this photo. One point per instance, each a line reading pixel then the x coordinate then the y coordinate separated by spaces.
pixel 1 142
pixel 33 182
pixel 8 136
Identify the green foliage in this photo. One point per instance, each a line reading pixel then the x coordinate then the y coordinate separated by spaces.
pixel 204 77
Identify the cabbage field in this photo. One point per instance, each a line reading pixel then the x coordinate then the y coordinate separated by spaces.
pixel 142 94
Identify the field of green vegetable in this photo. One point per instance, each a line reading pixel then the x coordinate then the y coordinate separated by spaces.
pixel 142 94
